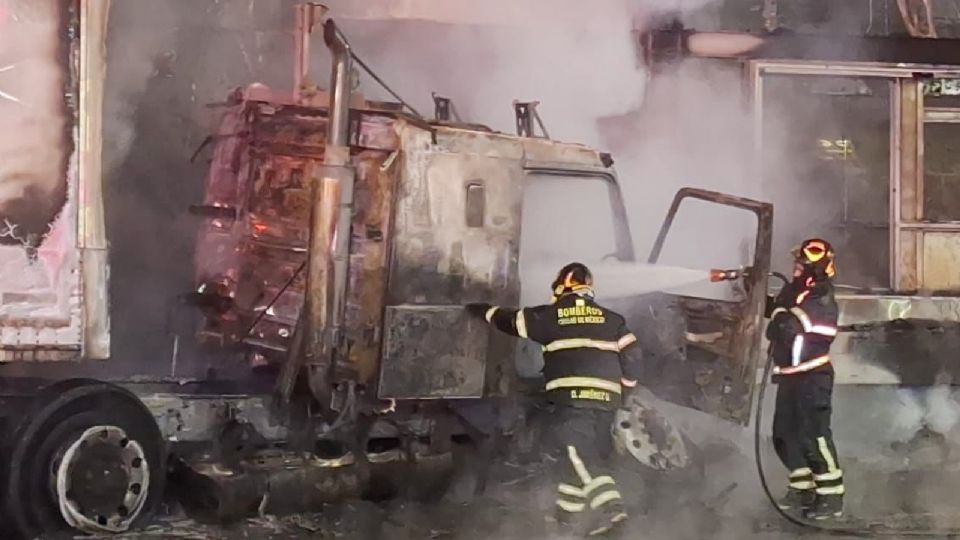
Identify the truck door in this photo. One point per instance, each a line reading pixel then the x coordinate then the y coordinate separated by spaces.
pixel 713 365
pixel 455 233
pixel 568 214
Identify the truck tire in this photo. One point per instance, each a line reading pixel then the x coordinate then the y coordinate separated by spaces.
pixel 88 459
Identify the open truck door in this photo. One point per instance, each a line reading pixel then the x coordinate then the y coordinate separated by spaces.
pixel 703 352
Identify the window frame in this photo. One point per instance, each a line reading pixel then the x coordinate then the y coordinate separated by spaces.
pixel 908 117
pixel 623 240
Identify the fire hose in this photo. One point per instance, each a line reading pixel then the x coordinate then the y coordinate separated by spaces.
pixel 838 530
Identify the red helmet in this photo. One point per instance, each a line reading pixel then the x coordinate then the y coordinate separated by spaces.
pixel 816 258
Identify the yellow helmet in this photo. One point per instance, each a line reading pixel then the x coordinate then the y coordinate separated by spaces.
pixel 574 277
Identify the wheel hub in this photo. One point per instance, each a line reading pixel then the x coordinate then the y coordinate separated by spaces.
pixel 101 480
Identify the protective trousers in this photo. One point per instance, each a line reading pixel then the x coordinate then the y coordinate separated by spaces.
pixel 583 444
pixel 801 432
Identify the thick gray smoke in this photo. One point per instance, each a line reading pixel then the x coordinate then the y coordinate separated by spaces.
pixel 584 67
pixel 579 67
pixel 689 127
pixel 34 133
pixel 167 63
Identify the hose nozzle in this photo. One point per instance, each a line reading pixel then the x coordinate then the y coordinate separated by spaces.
pixel 717 275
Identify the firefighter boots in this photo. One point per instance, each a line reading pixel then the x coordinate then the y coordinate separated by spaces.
pixel 797 500
pixel 826 507
pixel 608 522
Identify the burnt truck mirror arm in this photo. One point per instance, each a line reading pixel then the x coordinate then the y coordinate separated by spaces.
pixel 623 239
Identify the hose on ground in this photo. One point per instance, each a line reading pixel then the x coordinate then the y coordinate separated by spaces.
pixel 831 530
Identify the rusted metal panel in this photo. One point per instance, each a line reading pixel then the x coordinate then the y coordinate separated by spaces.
pixel 192 419
pixel 261 167
pixel 571 155
pixel 718 377
pixel 376 180
pixel 469 142
pixel 40 280
pixel 411 241
pixel 33 353
pixel 504 146
pixel 437 259
pixel 432 352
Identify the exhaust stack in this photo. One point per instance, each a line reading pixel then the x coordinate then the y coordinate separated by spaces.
pixel 307 16
pixel 330 224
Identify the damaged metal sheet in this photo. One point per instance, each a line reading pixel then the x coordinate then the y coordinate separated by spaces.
pixel 192 419
pixel 908 340
pixel 640 431
pixel 432 352
pixel 279 482
pixel 707 357
pixel 252 249
pixel 436 219
pixel 376 180
pixel 438 258
pixel 40 286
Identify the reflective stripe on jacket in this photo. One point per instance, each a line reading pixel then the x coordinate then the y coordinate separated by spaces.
pixel 803 325
pixel 587 348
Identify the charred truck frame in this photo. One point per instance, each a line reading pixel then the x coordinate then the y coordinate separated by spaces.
pixel 339 238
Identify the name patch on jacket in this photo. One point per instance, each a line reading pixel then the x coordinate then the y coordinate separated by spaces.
pixel 580 314
pixel 590 393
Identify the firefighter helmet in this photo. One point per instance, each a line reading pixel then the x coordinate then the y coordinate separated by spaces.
pixel 574 277
pixel 816 258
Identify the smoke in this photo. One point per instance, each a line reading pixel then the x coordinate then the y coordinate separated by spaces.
pixel 504 51
pixel 132 63
pixel 167 62
pixel 688 127
pixel 35 143
pixel 584 67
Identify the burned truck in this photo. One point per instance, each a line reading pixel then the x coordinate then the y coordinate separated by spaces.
pixel 337 241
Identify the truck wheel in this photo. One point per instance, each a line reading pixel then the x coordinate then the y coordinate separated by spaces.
pixel 89 459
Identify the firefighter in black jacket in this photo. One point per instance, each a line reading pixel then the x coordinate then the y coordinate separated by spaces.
pixel 803 325
pixel 590 358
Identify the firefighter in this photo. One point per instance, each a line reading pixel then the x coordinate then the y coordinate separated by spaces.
pixel 590 359
pixel 803 325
